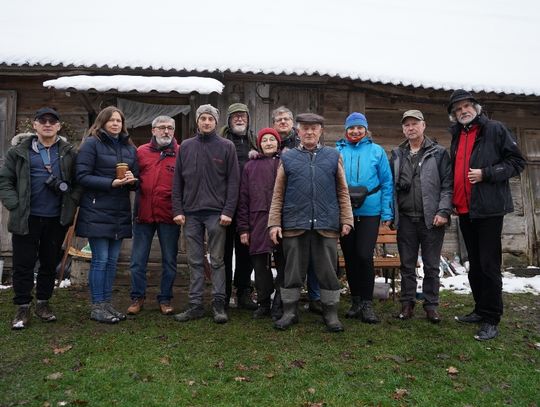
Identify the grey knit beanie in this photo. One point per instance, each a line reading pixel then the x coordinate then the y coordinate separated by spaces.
pixel 209 109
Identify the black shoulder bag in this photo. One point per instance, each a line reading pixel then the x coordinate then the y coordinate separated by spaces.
pixel 359 194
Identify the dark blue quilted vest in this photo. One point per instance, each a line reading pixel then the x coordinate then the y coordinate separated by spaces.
pixel 310 200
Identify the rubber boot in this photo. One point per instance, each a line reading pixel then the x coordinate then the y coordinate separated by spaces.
pixel 277 307
pixel 356 307
pixel 289 298
pixel 330 302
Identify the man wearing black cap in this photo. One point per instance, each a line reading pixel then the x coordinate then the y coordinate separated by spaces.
pixel 423 203
pixel 310 209
pixel 36 186
pixel 484 155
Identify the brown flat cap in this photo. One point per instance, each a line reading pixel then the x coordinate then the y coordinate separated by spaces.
pixel 310 118
pixel 416 114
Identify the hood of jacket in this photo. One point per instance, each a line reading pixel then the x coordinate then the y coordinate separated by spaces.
pixel 19 138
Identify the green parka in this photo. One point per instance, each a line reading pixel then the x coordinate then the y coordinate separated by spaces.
pixel 15 185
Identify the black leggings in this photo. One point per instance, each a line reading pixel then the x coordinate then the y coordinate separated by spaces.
pixel 358 249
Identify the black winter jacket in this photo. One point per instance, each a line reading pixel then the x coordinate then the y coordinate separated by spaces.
pixel 15 184
pixel 104 211
pixel 497 154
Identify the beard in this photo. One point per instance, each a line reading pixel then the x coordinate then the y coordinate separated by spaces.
pixel 163 141
pixel 466 120
pixel 239 129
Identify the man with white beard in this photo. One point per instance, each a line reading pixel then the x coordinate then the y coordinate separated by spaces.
pixel 237 130
pixel 154 213
pixel 485 156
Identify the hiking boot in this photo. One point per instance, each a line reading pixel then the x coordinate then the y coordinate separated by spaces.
pixel 218 309
pixel 277 307
pixel 262 311
pixel 356 307
pixel 194 311
pixel 22 317
pixel 330 304
pixel 487 331
pixel 44 312
pixel 165 308
pixel 245 301
pixel 315 306
pixel 433 316
pixel 472 318
pixel 113 311
pixel 136 306
pixel 407 311
pixel 100 313
pixel 367 314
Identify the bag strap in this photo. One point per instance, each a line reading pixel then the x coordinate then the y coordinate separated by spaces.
pixel 374 190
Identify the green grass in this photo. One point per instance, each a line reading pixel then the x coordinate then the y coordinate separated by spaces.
pixel 151 360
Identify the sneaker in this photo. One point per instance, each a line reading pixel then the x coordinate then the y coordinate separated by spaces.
pixel 44 312
pixel 194 311
pixel 487 331
pixel 22 317
pixel 472 318
pixel 165 308
pixel 113 311
pixel 136 306
pixel 99 313
pixel 218 309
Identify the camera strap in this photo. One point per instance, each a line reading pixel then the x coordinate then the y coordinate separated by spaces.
pixel 45 154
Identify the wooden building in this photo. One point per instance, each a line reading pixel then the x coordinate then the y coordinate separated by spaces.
pixel 22 92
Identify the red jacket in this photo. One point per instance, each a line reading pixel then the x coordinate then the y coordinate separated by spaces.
pixel 156 172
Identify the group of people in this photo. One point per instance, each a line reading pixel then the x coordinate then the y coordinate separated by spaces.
pixel 279 196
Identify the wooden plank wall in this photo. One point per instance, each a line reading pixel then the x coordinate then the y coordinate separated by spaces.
pixel 383 106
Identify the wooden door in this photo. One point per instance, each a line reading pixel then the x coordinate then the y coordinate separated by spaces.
pixel 530 142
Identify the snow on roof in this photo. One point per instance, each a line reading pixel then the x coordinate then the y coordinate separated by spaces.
pixel 485 45
pixel 142 84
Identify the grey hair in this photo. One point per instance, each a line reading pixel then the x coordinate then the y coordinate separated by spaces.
pixel 161 119
pixel 281 110
pixel 477 107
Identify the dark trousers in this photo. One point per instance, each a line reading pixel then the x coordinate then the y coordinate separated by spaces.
pixel 357 249
pixel 297 251
pixel 243 266
pixel 412 235
pixel 483 241
pixel 264 280
pixel 43 242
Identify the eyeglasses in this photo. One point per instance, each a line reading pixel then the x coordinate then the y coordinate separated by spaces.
pixel 43 120
pixel 163 128
pixel 283 119
pixel 239 116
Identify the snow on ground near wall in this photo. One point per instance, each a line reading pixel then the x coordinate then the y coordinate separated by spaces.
pixel 511 284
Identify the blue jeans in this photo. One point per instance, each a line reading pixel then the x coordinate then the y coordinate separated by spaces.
pixel 143 234
pixel 194 231
pixel 103 267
